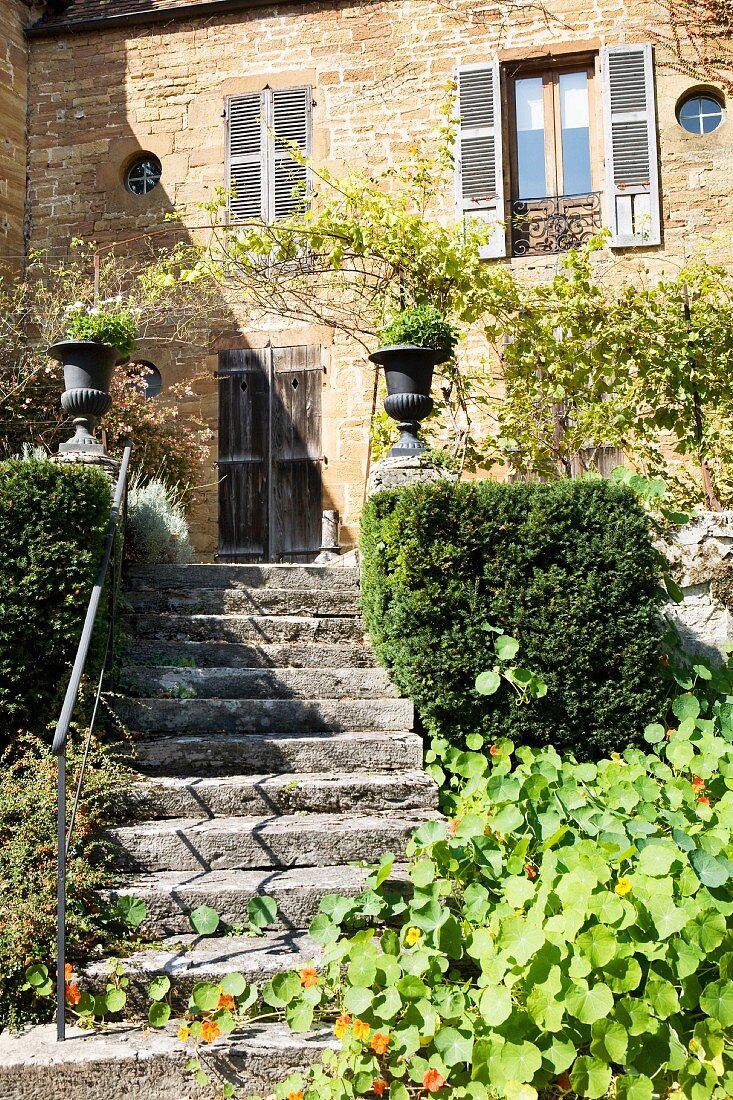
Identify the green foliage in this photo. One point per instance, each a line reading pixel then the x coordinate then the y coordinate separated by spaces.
pixel 108 323
pixel 566 568
pixel 568 930
pixel 157 531
pixel 53 522
pixel 28 871
pixel 633 364
pixel 423 326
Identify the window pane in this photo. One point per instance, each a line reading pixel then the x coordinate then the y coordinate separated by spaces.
pixel 575 122
pixel 532 182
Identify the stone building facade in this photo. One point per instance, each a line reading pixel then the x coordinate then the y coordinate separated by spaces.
pixel 114 84
pixel 15 16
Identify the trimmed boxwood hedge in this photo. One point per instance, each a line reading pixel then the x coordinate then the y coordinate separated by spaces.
pixel 53 522
pixel 567 567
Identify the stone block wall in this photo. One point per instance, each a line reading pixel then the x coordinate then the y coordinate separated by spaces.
pixel 701 554
pixel 379 70
pixel 14 15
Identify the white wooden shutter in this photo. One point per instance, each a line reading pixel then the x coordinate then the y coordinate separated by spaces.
pixel 632 181
pixel 479 158
pixel 291 125
pixel 244 166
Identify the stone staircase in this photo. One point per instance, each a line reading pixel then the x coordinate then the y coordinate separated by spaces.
pixel 274 757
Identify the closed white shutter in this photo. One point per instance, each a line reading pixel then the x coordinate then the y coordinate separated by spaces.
pixel 291 124
pixel 245 160
pixel 262 178
pixel 632 180
pixel 479 158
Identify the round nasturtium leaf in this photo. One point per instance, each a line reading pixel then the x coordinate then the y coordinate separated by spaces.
pixel 204 920
pixel 589 1005
pixel 159 1013
pixel 590 1077
pixel 205 996
pixel 716 1000
pixel 116 1000
pixel 159 987
pixel 234 984
pixel 487 682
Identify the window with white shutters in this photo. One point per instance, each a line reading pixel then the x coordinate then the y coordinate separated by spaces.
pixel 632 184
pixel 263 178
pixel 479 157
pixel 550 140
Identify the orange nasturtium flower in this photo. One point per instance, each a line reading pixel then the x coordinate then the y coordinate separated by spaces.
pixel 295 1095
pixel 413 936
pixel 227 1001
pixel 210 1031
pixel 623 887
pixel 183 1034
pixel 698 784
pixel 379 1086
pixel 73 996
pixel 68 971
pixel 361 1029
pixel 309 976
pixel 433 1081
pixel 703 800
pixel 380 1042
pixel 341 1026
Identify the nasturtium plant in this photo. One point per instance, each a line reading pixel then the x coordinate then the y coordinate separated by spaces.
pixel 568 930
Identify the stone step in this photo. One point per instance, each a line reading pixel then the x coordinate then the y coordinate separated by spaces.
pixel 170 896
pixel 258 795
pixel 235 655
pixel 245 601
pixel 275 753
pixel 326 577
pixel 188 959
pixel 264 629
pixel 246 683
pixel 197 716
pixel 136 1063
pixel 255 843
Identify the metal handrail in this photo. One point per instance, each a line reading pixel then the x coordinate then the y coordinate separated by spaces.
pixel 63 837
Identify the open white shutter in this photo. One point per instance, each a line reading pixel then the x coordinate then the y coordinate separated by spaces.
pixel 479 163
pixel 291 124
pixel 244 175
pixel 632 180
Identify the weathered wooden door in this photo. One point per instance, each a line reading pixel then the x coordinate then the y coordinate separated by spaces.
pixel 270 454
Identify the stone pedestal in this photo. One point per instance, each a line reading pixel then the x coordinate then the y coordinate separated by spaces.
pixel 394 473
pixel 110 466
pixel 701 554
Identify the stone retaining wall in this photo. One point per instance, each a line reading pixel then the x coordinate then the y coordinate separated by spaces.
pixel 701 553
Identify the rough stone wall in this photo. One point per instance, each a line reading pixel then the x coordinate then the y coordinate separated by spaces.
pixel 13 100
pixel 379 72
pixel 701 554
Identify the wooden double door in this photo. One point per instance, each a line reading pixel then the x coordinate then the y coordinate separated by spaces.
pixel 270 459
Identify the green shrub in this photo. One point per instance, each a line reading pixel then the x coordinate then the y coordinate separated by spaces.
pixel 567 932
pixel 108 323
pixel 53 523
pixel 28 866
pixel 567 568
pixel 423 326
pixel 157 531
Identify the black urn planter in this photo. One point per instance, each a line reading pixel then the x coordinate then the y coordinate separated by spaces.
pixel 88 368
pixel 408 370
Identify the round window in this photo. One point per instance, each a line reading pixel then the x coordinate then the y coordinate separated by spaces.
pixel 143 174
pixel 700 114
pixel 147 376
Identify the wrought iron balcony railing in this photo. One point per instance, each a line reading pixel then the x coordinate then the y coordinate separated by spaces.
pixel 555 223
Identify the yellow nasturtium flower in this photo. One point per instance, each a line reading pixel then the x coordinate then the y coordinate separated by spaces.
pixel 623 887
pixel 413 936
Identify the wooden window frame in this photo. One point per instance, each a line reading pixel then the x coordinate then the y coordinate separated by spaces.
pixel 550 72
